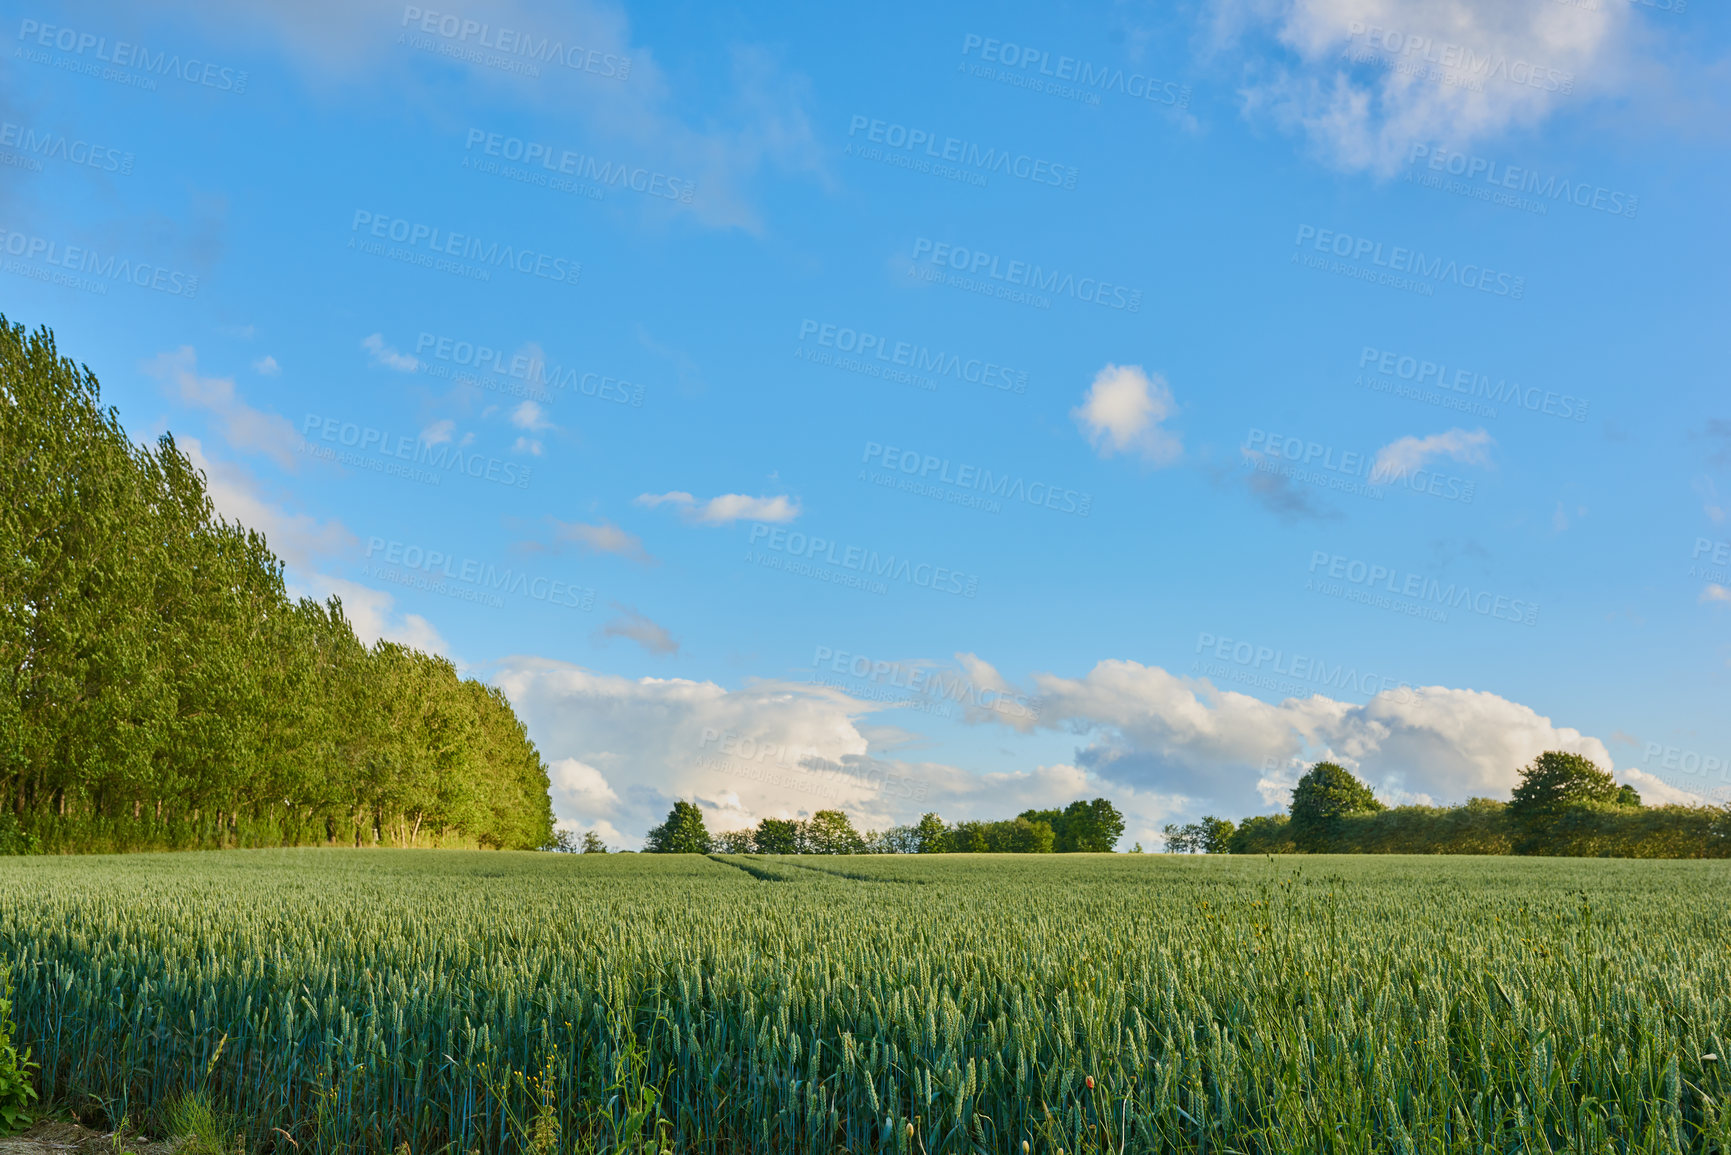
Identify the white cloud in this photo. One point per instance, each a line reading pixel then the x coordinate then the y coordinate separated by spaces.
pixel 266 366
pixel 578 787
pixel 603 538
pixel 1158 730
pixel 379 353
pixel 1401 458
pixel 439 432
pixel 1715 592
pixel 635 627
pixel 527 445
pixel 725 509
pixel 531 417
pixel 1364 80
pixel 769 749
pixel 243 426
pixel 1122 412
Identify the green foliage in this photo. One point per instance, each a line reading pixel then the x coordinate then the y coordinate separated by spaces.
pixel 1555 781
pixel 513 1003
pixel 1564 805
pixel 1093 827
pixel 16 1090
pixel 14 839
pixel 830 832
pixel 1263 834
pixel 931 836
pixel 682 833
pixel 198 1127
pixel 1209 836
pixel 1323 797
pixel 777 836
pixel 735 842
pixel 158 688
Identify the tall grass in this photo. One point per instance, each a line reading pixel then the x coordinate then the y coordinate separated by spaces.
pixel 358 1001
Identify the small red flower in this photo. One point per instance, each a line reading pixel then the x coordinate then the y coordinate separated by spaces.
pixel 1090 1082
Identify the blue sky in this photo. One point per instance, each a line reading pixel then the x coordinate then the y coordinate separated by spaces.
pixel 958 409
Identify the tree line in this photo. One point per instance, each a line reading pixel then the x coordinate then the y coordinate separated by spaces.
pixel 1081 827
pixel 159 689
pixel 1564 804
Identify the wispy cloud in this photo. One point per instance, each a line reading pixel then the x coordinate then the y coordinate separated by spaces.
pixel 1401 458
pixel 379 353
pixel 243 426
pixel 725 509
pixel 635 627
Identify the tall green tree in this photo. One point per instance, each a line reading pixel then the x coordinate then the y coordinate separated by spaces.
pixel 158 688
pixel 1326 795
pixel 931 836
pixel 1556 780
pixel 832 832
pixel 682 833
pixel 777 836
pixel 1090 827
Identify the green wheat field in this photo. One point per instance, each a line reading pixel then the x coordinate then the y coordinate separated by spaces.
pixel 451 1001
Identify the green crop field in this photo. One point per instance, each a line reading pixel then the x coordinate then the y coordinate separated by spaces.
pixel 455 1001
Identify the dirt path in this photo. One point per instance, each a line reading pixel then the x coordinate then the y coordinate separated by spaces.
pixel 49 1138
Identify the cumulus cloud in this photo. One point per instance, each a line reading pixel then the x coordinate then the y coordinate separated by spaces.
pixel 439 432
pixel 635 627
pixel 1407 455
pixel 1714 592
pixel 580 788
pixel 1364 80
pixel 1122 412
pixel 266 366
pixel 1160 731
pixel 726 509
pixel 243 426
pixel 381 354
pixel 770 749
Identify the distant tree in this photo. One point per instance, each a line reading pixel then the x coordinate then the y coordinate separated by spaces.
pixel 1089 827
pixel 1217 834
pixel 832 832
pixel 1137 849
pixel 733 842
pixel 1210 835
pixel 895 840
pixel 563 842
pixel 592 843
pixel 931 836
pixel 970 838
pixel 682 833
pixel 1031 837
pixel 1052 818
pixel 777 836
pixel 1263 834
pixel 1326 794
pixel 1554 781
pixel 1628 796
